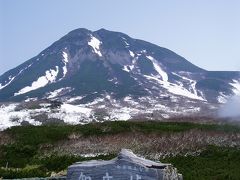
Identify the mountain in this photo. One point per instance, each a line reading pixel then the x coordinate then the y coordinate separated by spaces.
pixel 112 74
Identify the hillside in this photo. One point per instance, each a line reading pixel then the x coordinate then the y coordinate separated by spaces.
pixel 94 76
pixel 193 148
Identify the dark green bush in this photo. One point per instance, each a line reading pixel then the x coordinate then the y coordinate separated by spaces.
pixel 17 155
pixel 213 163
pixel 57 163
pixel 36 171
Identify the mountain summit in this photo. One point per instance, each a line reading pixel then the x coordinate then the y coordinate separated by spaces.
pixel 112 70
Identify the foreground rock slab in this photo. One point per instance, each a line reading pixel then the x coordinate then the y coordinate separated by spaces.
pixel 126 166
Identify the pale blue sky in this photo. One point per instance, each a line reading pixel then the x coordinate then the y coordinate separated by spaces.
pixel 206 32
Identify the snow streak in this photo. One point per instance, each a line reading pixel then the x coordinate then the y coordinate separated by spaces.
pixel 49 77
pixel 95 44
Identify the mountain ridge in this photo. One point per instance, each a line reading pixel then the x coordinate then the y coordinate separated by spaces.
pixel 112 73
pixel 71 39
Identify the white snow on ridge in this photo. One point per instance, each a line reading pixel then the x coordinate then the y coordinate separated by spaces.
pixel 125 68
pixel 125 41
pixel 131 67
pixel 24 69
pixel 95 44
pixel 65 57
pixel 131 54
pixel 5 116
pixel 175 89
pixel 156 66
pixel 127 44
pixel 10 117
pixel 129 100
pixel 124 109
pixel 95 101
pixel 74 99
pixel 31 99
pixel 128 68
pixel 65 61
pixel 49 77
pixel 10 80
pixel 236 86
pixel 222 98
pixel 121 114
pixel 68 108
pixel 192 83
pixel 55 93
pixel 72 114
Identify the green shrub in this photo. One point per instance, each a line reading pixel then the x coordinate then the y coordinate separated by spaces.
pixel 57 163
pixel 28 172
pixel 17 155
pixel 36 135
pixel 215 163
pixel 212 163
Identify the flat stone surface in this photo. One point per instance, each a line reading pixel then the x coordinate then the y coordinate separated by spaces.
pixel 49 178
pixel 126 166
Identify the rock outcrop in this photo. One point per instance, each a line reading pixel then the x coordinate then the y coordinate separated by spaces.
pixel 126 166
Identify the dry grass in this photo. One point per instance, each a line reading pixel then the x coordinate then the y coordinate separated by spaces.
pixel 151 145
pixel 5 138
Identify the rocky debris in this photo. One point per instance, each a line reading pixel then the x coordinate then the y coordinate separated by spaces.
pixel 126 166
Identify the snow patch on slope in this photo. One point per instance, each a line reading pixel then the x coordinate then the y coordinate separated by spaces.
pixel 222 98
pixel 129 68
pixel 65 61
pixel 125 41
pixel 10 117
pixel 175 89
pixel 76 98
pixel 49 77
pixel 58 92
pixel 121 114
pixel 127 44
pixel 131 54
pixel 125 68
pixel 192 83
pixel 236 87
pixel 156 66
pixel 10 79
pixel 95 44
pixel 72 114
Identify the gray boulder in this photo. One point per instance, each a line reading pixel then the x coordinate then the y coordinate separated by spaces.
pixel 126 166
